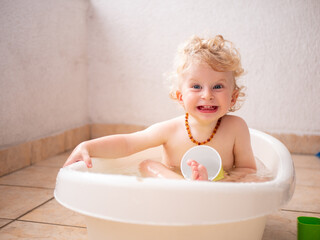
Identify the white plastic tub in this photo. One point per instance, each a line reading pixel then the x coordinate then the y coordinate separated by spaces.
pixel 129 207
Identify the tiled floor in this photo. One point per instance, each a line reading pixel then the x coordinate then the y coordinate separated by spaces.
pixel 29 211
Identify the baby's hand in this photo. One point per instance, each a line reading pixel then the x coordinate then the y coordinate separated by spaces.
pixel 80 153
pixel 199 172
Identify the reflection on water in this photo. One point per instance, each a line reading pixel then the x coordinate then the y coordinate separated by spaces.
pixel 130 167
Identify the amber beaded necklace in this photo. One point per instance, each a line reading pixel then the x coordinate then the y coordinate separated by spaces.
pixel 190 135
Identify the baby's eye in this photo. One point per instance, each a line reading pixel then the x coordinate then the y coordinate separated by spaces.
pixel 196 86
pixel 218 86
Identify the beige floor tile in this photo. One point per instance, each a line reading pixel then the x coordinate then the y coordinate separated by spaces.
pixel 34 176
pixel 53 212
pixel 306 161
pixel 4 222
pixel 305 198
pixel 283 225
pixel 308 177
pixel 19 230
pixel 15 201
pixel 56 161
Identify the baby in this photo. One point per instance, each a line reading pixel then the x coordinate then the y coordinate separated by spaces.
pixel 205 85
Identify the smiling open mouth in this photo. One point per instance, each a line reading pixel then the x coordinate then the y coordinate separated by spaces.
pixel 207 108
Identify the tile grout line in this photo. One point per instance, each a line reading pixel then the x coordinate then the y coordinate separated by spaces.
pixel 7 174
pixel 309 168
pixel 35 208
pixel 23 186
pixel 299 211
pixel 47 223
pixel 11 221
pixel 17 218
pixel 4 218
pixel 43 166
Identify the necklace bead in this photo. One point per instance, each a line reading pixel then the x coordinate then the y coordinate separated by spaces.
pixel 190 135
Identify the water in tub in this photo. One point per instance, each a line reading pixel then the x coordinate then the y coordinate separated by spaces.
pixel 130 166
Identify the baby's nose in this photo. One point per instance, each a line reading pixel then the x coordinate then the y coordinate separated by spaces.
pixel 207 94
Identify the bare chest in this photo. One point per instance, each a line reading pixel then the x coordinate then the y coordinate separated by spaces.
pixel 179 144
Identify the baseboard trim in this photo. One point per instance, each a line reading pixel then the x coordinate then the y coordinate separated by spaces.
pixel 299 144
pixel 25 154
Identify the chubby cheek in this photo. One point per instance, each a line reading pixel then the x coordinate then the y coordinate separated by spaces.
pixel 190 97
pixel 229 102
pixel 187 101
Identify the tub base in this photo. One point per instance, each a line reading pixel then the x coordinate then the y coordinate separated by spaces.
pixel 99 229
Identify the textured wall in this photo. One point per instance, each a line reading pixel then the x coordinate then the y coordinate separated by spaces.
pixel 43 82
pixel 132 43
pixel 61 65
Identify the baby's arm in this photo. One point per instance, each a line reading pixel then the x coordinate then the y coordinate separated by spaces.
pixel 120 145
pixel 244 162
pixel 243 154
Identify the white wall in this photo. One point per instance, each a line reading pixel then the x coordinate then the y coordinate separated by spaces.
pixel 61 64
pixel 43 68
pixel 131 43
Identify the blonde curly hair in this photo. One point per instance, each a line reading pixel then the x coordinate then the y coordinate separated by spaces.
pixel 217 52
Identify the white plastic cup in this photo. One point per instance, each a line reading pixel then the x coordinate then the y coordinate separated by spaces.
pixel 204 155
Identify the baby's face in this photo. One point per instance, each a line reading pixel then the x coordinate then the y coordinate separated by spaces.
pixel 205 93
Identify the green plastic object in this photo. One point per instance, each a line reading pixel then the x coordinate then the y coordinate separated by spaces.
pixel 308 228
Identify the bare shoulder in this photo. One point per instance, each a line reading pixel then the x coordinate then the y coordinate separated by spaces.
pixel 235 122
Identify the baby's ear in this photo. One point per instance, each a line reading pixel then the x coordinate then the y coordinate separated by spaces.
pixel 179 97
pixel 235 96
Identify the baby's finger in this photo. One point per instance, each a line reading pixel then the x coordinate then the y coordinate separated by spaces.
pixel 68 162
pixel 87 159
